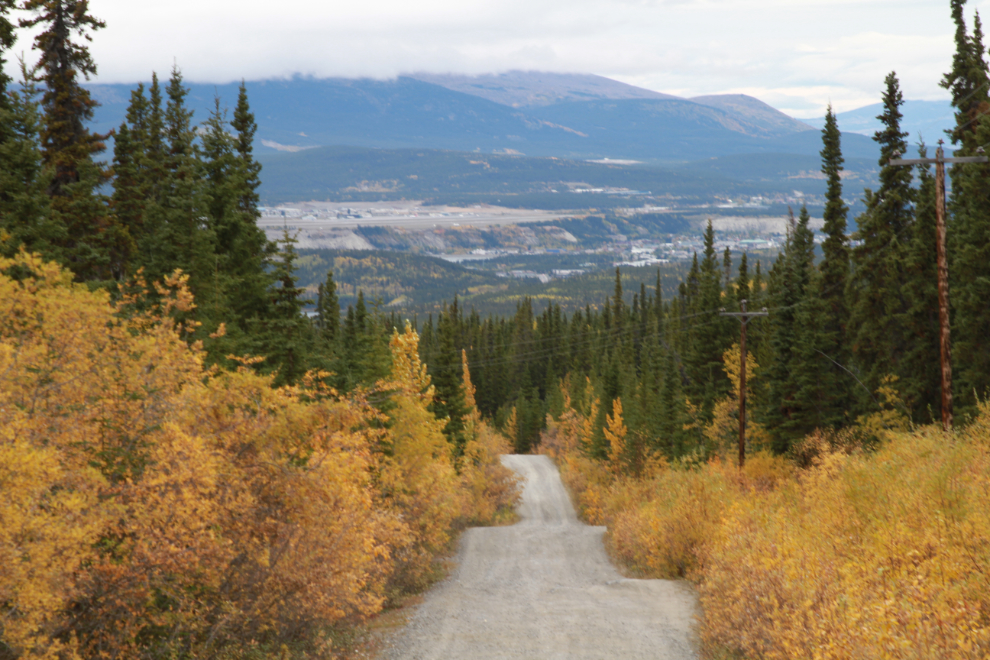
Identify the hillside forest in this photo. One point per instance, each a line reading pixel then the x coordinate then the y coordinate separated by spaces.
pixel 194 467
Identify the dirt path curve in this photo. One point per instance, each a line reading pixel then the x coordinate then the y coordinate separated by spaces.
pixel 544 588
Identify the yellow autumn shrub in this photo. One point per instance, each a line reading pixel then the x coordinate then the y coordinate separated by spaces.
pixel 154 508
pixel 864 556
pixel 836 553
pixel 491 490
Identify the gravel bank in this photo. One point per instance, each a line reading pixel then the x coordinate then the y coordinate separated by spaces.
pixel 544 588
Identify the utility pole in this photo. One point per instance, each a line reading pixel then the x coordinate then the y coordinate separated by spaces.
pixel 744 317
pixel 943 266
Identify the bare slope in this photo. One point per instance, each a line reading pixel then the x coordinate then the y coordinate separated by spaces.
pixel 544 588
pixel 536 88
pixel 772 121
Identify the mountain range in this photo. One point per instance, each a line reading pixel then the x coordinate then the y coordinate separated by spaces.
pixel 927 120
pixel 537 114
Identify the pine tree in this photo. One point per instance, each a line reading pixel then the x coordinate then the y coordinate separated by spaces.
pixel 709 335
pixel 876 286
pixel 90 242
pixel 284 336
pixel 449 401
pixel 969 232
pixel 789 280
pixel 25 209
pixel 182 234
pixel 920 380
pixel 834 269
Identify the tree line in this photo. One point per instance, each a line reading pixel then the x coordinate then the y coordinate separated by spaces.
pixel 859 318
pixel 177 195
pixel 852 326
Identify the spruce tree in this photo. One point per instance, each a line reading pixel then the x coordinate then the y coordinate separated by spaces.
pixel 91 240
pixel 969 232
pixel 328 311
pixel 284 337
pixel 449 401
pixel 834 269
pixel 709 339
pixel 247 247
pixel 183 237
pixel 742 289
pixel 876 285
pixel 789 280
pixel 25 210
pixel 7 40
pixel 819 392
pixel 920 381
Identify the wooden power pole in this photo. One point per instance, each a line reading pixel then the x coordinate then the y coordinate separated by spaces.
pixel 943 267
pixel 743 316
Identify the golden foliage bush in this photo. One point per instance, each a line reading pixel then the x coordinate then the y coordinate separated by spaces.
pixel 835 553
pixel 864 556
pixel 155 508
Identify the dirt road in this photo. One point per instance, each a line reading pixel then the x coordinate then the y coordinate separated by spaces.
pixel 544 588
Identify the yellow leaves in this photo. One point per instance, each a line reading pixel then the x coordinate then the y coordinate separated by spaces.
pixel 723 431
pixel 615 432
pixel 864 556
pixel 165 501
pixel 861 555
pixel 892 415
pixel 408 371
pixel 49 518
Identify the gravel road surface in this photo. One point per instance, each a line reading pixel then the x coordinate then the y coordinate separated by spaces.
pixel 544 588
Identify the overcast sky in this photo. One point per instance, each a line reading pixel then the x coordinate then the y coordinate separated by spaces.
pixel 796 55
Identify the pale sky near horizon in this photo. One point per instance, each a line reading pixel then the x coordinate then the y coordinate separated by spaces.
pixel 796 55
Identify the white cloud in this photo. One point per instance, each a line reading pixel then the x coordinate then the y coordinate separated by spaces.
pixel 794 54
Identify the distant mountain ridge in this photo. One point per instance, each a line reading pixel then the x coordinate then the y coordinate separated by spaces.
pixel 538 88
pixel 926 120
pixel 408 112
pixel 756 110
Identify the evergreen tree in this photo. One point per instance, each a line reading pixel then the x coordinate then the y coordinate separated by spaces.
pixel 819 392
pixel 328 311
pixel 834 269
pixel 789 280
pixel 742 289
pixel 25 211
pixel 920 373
pixel 969 232
pixel 91 240
pixel 284 336
pixel 876 285
pixel 449 401
pixel 183 236
pixel 231 180
pixel 709 337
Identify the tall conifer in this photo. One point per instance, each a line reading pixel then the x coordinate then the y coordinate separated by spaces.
pixel 789 280
pixel 709 334
pixel 876 285
pixel 834 268
pixel 90 242
pixel 449 401
pixel 25 207
pixel 969 232
pixel 920 375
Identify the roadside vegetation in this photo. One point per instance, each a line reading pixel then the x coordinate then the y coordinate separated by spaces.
pixel 157 507
pixel 870 542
